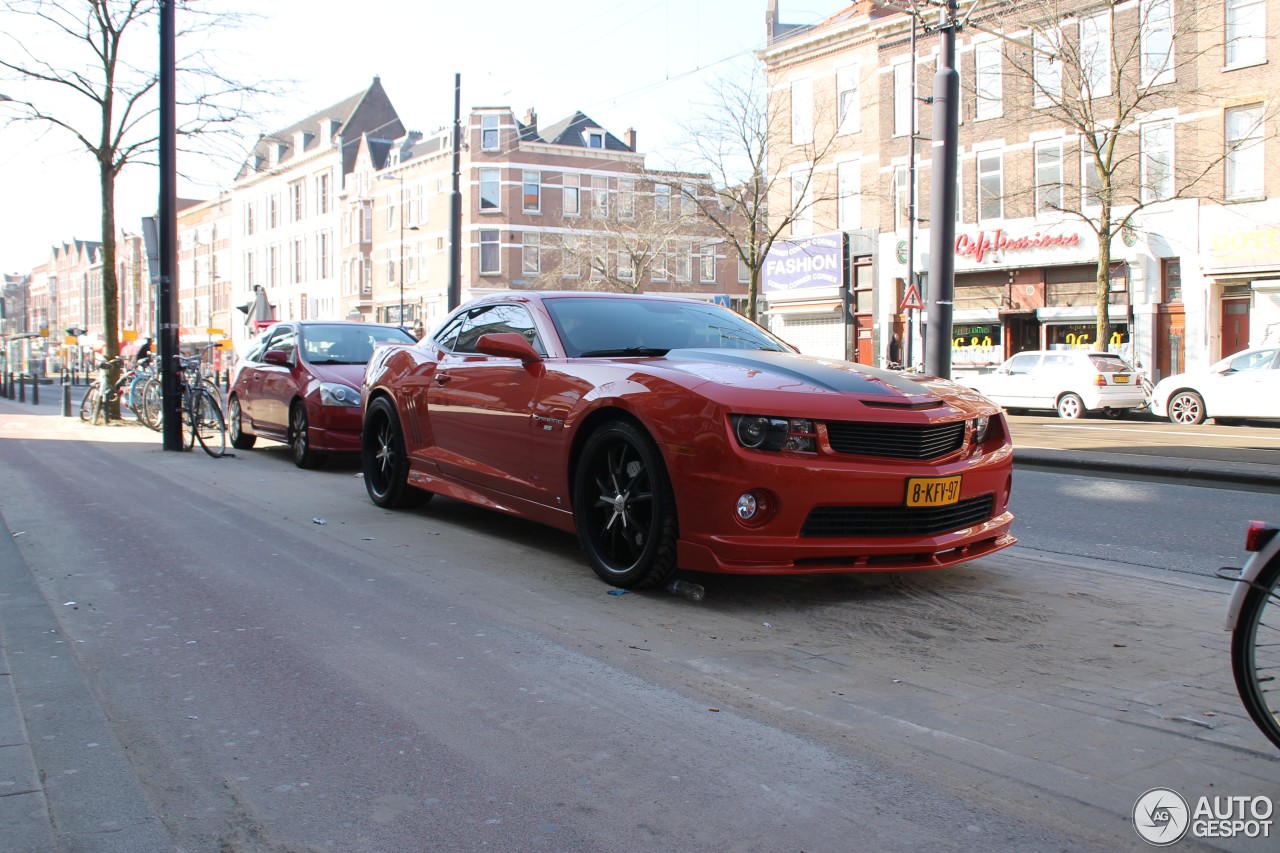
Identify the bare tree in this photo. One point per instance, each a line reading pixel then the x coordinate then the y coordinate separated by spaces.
pixel 89 81
pixel 730 139
pixel 1103 71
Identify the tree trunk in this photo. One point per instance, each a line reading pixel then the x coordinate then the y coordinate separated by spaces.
pixel 1103 292
pixel 110 285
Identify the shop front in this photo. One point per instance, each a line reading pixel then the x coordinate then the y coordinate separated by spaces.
pixel 1242 267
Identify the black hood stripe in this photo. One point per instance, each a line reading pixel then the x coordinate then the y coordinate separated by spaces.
pixel 841 377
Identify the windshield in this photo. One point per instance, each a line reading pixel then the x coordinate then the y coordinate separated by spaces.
pixel 640 326
pixel 348 344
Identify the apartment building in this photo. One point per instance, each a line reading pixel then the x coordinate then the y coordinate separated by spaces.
pixel 1183 91
pixel 205 305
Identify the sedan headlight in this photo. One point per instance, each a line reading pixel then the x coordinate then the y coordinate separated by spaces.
pixel 759 432
pixel 980 427
pixel 337 394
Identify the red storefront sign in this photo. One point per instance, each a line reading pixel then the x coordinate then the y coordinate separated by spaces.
pixel 978 246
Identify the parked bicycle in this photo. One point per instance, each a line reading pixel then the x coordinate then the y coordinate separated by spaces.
pixel 150 406
pixel 1253 618
pixel 202 418
pixel 98 397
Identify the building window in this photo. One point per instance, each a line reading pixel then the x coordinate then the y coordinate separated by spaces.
pixel 801 206
pixel 903 105
pixel 1156 141
pixel 490 197
pixel 1095 55
pixel 1171 279
pixel 299 261
pixel 990 185
pixel 1246 32
pixel 250 268
pixel 273 266
pixel 366 223
pixel 744 271
pixel 689 200
pixel 901 197
pixel 658 269
pixel 1047 67
pixel 802 112
pixel 322 254
pixel 570 203
pixel 322 193
pixel 848 101
pixel 1156 42
pixel 570 261
pixel 1090 180
pixel 531 194
pixel 849 190
pixel 248 218
pixel 626 269
pixel 391 271
pixel 599 198
pixel 391 213
pixel 626 199
pixel 490 256
pixel 531 253
pixel 662 202
pixel 421 215
pixel 1245 164
pixel 296 199
pixel 489 140
pixel 595 138
pixel 1048 177
pixel 707 264
pixel 682 259
pixel 988 85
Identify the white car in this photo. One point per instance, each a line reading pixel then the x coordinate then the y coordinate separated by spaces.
pixel 1243 385
pixel 1072 382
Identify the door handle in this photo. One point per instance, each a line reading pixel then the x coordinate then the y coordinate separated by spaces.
pixel 442 378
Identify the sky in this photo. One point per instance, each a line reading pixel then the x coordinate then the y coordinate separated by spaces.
pixel 626 63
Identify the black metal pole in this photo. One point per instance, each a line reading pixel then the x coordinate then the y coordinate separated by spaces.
pixel 166 295
pixel 455 201
pixel 942 234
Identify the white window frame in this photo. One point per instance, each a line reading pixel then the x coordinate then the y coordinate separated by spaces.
pixel 570 262
pixel 662 202
pixel 658 269
pixel 988 83
pixel 531 178
pixel 1245 164
pixel 570 196
pixel 1245 33
pixel 324 250
pixel 626 199
pixel 849 98
pixel 594 139
pixel 1046 68
pixel 1156 49
pixel 491 178
pixel 684 260
pixel 599 197
pixel 903 103
pixel 1157 150
pixel 297 200
pixel 324 201
pixel 1049 177
pixel 248 219
pixel 900 193
pixel 1090 180
pixel 490 132
pixel 531 253
pixel 707 263
pixel 801 112
pixel 996 175
pixel 626 269
pixel 1095 54
pixel 490 238
pixel 802 204
pixel 849 195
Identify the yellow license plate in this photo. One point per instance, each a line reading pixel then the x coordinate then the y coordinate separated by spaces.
pixel 933 491
pixel 1120 379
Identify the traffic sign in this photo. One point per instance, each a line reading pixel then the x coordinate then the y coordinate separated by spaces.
pixel 911 299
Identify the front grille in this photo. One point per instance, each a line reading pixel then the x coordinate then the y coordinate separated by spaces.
pixel 897 520
pixel 900 441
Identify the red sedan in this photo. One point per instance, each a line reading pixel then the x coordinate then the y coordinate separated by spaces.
pixel 671 433
pixel 299 384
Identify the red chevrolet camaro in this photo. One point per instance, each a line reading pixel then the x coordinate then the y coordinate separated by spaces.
pixel 672 433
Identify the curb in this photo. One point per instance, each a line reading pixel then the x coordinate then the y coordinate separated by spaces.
pixel 1183 470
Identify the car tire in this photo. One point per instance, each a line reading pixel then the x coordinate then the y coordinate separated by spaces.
pixel 1114 414
pixel 300 437
pixel 1071 407
pixel 384 460
pixel 623 507
pixel 1186 408
pixel 235 425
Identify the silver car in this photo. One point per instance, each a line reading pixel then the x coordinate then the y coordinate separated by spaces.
pixel 1072 382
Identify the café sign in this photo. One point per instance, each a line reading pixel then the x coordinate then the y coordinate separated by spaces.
pixel 980 245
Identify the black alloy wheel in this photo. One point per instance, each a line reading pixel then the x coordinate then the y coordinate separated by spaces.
pixel 624 509
pixel 384 460
pixel 235 425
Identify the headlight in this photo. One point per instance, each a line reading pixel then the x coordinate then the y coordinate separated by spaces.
pixel 980 427
pixel 337 394
pixel 758 432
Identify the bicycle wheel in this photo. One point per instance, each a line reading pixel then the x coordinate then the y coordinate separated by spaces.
pixel 211 427
pixel 1255 652
pixel 89 403
pixel 152 404
pixel 188 418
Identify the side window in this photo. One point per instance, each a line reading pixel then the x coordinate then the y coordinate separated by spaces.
pixel 497 318
pixel 1254 360
pixel 447 336
pixel 283 341
pixel 1023 364
pixel 1057 362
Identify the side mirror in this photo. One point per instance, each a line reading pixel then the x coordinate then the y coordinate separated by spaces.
pixel 508 345
pixel 280 358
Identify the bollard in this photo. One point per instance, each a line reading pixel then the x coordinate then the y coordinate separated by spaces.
pixel 66 401
pixel 22 388
pixel 35 390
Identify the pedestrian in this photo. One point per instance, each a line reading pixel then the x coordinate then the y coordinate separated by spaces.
pixel 895 351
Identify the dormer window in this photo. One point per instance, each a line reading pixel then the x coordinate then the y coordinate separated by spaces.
pixel 489 133
pixel 594 138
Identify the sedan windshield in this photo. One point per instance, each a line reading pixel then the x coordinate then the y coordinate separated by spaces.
pixel 348 344
pixel 592 326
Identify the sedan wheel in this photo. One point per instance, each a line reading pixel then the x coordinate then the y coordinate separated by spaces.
pixel 1186 408
pixel 300 437
pixel 385 462
pixel 1071 407
pixel 624 509
pixel 235 426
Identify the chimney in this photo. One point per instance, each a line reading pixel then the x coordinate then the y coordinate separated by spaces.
pixel 630 138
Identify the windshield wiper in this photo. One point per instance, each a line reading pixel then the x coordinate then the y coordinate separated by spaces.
pixel 639 351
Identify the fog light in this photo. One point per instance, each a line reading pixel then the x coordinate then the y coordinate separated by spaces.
pixel 748 506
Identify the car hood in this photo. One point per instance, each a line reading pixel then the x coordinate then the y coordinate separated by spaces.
pixel 347 374
pixel 760 370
